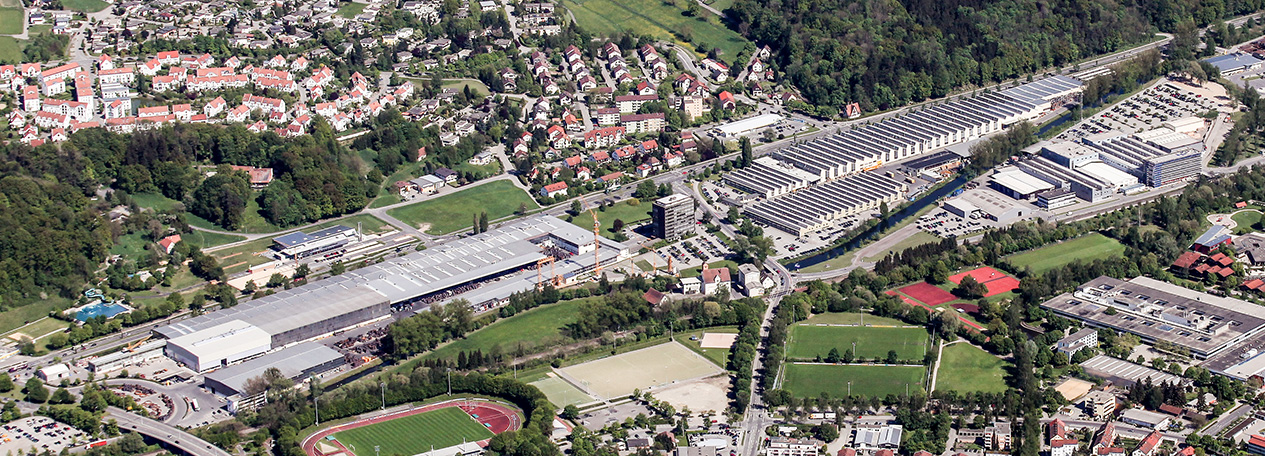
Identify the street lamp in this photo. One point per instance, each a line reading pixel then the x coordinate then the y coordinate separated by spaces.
pixel 384 394
pixel 450 381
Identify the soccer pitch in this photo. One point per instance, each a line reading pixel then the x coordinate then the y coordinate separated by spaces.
pixel 810 380
pixel 415 434
pixel 808 342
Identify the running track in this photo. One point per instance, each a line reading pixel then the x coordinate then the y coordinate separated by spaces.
pixel 498 418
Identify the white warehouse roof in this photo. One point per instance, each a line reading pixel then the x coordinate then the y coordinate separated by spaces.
pixel 223 341
pixel 751 123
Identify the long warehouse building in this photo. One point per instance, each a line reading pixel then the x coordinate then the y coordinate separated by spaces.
pixel 868 147
pixel 357 297
pixel 818 207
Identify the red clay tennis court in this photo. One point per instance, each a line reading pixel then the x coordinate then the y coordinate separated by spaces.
pixel 927 293
pixel 996 281
pixel 981 275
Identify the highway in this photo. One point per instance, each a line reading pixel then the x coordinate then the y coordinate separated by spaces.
pixel 169 435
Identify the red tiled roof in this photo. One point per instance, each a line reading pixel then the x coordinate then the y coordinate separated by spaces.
pixel 1186 260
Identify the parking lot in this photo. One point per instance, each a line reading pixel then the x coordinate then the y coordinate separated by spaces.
pixel 944 224
pixel 1149 109
pixel 40 433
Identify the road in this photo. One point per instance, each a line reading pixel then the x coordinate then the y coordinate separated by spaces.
pixel 171 436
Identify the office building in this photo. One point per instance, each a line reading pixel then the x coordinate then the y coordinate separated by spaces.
pixel 673 216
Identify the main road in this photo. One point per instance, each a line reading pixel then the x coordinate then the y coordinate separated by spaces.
pixel 169 435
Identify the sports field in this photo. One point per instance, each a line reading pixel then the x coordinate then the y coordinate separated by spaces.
pixel 808 342
pixel 663 20
pixel 929 294
pixel 642 369
pixel 851 318
pixel 966 368
pixel 1086 248
pixel 87 6
pixel 810 380
pixel 995 281
pixel 454 211
pixel 415 434
pixel 561 393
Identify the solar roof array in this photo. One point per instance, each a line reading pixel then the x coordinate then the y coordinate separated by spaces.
pixel 816 207
pixel 930 128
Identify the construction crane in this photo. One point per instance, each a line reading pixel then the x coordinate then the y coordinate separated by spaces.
pixel 540 266
pixel 138 343
pixel 653 263
pixel 597 246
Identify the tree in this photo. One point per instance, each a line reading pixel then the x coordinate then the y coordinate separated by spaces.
pixel 6 383
pixel 35 391
pixel 61 396
pixel 833 357
pixel 576 207
pixel 570 412
pixel 970 288
pixel 892 357
pixel 221 198
pixel 483 222
pixel 302 271
pixel 337 268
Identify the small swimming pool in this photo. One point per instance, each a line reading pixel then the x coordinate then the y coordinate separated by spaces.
pixel 99 309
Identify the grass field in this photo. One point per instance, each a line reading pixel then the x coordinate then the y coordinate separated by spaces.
pixel 533 328
pixel 453 212
pixel 416 433
pixel 478 86
pixel 561 393
pixel 810 380
pixel 966 368
pixel 1089 247
pixel 351 9
pixel 808 342
pixel 720 356
pixel 14 318
pixel 208 239
pixel 851 318
pixel 919 238
pixel 87 6
pixel 624 210
pixel 41 327
pixel 1246 221
pixel 11 20
pixel 657 19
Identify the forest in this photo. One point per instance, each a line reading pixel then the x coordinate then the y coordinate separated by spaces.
pixel 888 53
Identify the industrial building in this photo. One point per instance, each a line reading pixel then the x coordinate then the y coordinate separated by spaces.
pixel 302 245
pixel 1015 183
pixel 124 358
pixel 295 363
pixel 1152 165
pixel 815 208
pixel 218 346
pixel 1056 199
pixel 507 253
pixel 748 125
pixel 1234 63
pixel 1153 310
pixel 867 147
pixel 673 216
pixel 1086 186
pixel 770 178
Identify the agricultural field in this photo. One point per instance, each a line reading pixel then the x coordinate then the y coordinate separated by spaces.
pixel 657 18
pixel 966 368
pixel 808 342
pixel 810 380
pixel 1086 248
pixel 453 212
pixel 415 433
pixel 630 212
